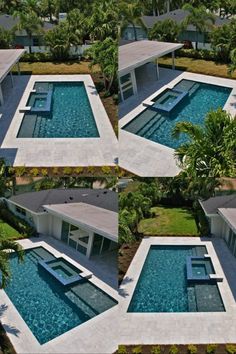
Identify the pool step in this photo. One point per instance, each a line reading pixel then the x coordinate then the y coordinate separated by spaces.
pixel 192 305
pixel 208 298
pixel 146 128
pixel 137 124
pixel 75 297
pixel 193 89
pixel 155 127
pixel 27 126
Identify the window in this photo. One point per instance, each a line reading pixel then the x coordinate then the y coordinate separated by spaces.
pixel 21 211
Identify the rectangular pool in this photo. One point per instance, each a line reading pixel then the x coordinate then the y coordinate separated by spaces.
pixel 58 110
pixel 163 284
pixel 49 308
pixel 157 126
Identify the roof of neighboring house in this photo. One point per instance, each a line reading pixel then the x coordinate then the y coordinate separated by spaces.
pixel 8 22
pixel 178 16
pixel 138 53
pixel 229 214
pixel 212 205
pixel 34 201
pixel 99 220
pixel 8 58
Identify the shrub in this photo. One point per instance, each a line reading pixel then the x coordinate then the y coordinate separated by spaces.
pixel 137 350
pixel 20 225
pixel 122 349
pixel 211 348
pixel 173 350
pixel 198 54
pixel 230 348
pixel 156 349
pixel 36 57
pixel 44 172
pixel 20 171
pixel 192 349
pixel 67 170
pixel 106 170
pixel 55 170
pixel 34 172
pixel 78 170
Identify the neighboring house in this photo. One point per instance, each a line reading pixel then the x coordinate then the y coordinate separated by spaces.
pixel 221 213
pixel 178 16
pixel 84 219
pixel 21 38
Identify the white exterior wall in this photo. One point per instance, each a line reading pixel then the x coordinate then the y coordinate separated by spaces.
pixel 55 226
pixel 217 225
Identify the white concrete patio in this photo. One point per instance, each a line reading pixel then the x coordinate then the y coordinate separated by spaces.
pixel 48 152
pixel 145 157
pixel 181 328
pixel 86 338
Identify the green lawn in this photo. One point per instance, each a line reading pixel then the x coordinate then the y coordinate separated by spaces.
pixel 7 232
pixel 199 66
pixel 169 222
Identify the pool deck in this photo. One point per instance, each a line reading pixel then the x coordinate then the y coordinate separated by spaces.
pixel 181 328
pixel 144 157
pixel 54 152
pixel 89 337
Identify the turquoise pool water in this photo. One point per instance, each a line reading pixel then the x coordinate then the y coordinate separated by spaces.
pixel 163 285
pixel 158 126
pixel 49 308
pixel 69 116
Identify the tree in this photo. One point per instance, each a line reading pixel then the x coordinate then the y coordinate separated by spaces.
pixel 199 18
pixel 50 8
pixel 105 54
pixel 5 38
pixel 131 14
pixel 30 22
pixel 223 40
pixel 166 31
pixel 5 247
pixel 211 149
pixel 232 66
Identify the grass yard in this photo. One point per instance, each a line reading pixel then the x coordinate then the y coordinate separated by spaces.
pixel 7 232
pixel 169 222
pixel 198 66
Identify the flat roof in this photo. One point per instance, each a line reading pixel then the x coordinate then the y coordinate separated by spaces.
pixel 229 215
pixel 8 58
pixel 211 205
pixel 99 220
pixel 138 53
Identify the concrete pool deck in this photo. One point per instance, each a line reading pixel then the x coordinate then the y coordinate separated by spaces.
pixel 55 152
pixel 147 158
pixel 180 328
pixel 86 338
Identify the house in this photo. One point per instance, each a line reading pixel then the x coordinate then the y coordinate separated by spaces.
pixel 189 34
pixel 84 219
pixel 221 214
pixel 21 39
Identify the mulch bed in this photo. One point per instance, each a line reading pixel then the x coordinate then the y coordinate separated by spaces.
pixel 125 256
pixel 165 349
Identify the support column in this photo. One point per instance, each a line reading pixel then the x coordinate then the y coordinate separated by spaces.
pixel 90 244
pixel 1 95
pixel 134 82
pixel 18 67
pixel 157 67
pixel 173 60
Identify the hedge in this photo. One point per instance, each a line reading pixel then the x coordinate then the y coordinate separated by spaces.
pixel 19 224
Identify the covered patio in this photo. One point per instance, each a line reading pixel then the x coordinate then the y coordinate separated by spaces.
pixel 8 58
pixel 140 59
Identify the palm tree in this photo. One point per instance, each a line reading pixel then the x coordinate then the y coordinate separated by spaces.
pixel 30 22
pixel 131 14
pixel 103 20
pixel 199 18
pixel 5 247
pixel 211 149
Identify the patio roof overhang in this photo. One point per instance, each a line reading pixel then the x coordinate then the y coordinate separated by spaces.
pixel 229 215
pixel 138 53
pixel 8 58
pixel 98 220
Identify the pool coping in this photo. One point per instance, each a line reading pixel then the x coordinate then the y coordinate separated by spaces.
pixel 135 151
pixel 89 334
pixel 165 328
pixel 56 152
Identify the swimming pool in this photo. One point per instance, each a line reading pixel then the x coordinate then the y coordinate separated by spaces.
pixel 48 307
pixel 163 285
pixel 187 101
pixel 58 110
